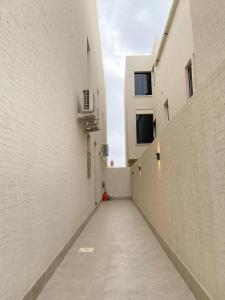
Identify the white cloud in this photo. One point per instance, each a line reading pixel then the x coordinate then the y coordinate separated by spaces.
pixel 142 16
pixel 114 66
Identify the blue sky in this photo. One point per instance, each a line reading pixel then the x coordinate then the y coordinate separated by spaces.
pixel 127 27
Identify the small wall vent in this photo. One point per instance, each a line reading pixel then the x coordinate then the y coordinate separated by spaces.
pixel 104 151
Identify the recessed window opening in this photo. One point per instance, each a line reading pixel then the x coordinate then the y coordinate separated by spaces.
pixel 155 128
pixel 88 46
pixel 143 83
pixel 153 76
pixel 189 75
pixel 166 111
pixel 88 157
pixel 144 128
pixel 88 67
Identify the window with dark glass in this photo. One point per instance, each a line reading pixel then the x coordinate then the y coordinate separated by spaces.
pixel 189 79
pixel 143 83
pixel 88 46
pixel 166 111
pixel 144 128
pixel 153 76
pixel 155 129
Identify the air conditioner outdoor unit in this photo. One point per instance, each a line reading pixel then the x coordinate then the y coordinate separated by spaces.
pixel 88 102
pixel 88 112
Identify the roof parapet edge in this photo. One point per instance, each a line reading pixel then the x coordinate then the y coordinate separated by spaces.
pixel 166 31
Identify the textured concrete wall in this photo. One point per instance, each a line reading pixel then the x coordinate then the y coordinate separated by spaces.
pixel 170 74
pixel 118 182
pixel 135 104
pixel 183 194
pixel 209 36
pixel 44 191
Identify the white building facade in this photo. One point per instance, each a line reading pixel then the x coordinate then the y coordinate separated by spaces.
pixel 51 164
pixel 181 190
pixel 138 104
pixel 172 81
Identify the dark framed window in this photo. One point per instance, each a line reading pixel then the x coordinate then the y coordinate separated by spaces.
pixel 153 76
pixel 88 46
pixel 166 111
pixel 144 128
pixel 155 128
pixel 143 83
pixel 189 79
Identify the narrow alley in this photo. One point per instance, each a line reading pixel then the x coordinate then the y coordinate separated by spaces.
pixel 127 262
pixel 112 150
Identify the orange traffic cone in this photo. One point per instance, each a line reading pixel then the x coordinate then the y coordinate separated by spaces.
pixel 105 196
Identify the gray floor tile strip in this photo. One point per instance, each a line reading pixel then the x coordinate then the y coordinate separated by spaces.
pixel 127 263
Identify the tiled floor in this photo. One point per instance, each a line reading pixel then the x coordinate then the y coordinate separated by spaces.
pixel 127 263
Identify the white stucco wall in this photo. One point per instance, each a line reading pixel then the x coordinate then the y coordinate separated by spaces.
pixel 170 75
pixel 44 191
pixel 183 195
pixel 209 38
pixel 135 104
pixel 118 182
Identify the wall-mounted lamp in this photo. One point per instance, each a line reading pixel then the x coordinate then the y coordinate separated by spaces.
pixel 157 156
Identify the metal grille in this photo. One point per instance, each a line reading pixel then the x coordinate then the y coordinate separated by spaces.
pixel 105 150
pixel 86 105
